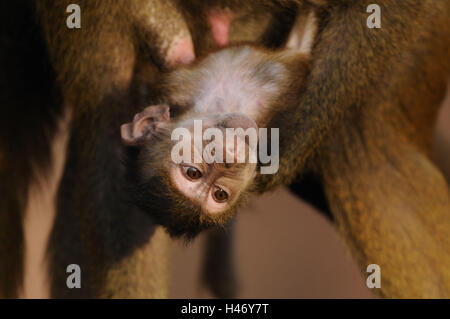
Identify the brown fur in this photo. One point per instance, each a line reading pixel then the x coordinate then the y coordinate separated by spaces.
pixel 391 203
pixel 365 123
pixel 365 116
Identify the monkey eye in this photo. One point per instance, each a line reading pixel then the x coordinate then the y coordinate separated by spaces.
pixel 220 195
pixel 192 172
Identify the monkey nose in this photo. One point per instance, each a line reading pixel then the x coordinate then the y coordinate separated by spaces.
pixel 237 120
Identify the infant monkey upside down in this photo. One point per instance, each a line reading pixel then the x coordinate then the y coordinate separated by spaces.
pixel 239 87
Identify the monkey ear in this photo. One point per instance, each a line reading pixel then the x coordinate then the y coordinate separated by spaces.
pixel 145 125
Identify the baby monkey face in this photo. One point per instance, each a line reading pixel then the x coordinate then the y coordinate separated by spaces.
pixel 214 159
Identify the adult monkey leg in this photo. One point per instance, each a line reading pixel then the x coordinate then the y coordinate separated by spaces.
pixel 119 249
pixel 392 206
pixel 374 163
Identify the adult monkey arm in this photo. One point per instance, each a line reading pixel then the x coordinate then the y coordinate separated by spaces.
pixel 390 201
pixel 367 115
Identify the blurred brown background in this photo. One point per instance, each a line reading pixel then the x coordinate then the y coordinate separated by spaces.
pixel 286 249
